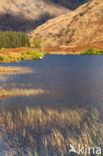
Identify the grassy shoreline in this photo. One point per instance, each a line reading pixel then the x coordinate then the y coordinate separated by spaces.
pixel 90 51
pixel 19 54
pixel 63 53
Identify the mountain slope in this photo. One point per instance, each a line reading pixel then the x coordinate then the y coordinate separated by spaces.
pixel 71 4
pixel 25 15
pixel 82 29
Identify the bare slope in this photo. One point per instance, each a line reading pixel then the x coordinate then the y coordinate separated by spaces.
pixel 80 30
pixel 25 15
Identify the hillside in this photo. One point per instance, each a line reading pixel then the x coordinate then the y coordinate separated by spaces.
pixel 81 30
pixel 25 15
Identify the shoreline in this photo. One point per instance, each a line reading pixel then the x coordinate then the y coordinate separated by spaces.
pixel 62 53
pixel 26 53
pixel 19 54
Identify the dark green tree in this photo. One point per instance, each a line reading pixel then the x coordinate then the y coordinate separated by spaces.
pixel 12 39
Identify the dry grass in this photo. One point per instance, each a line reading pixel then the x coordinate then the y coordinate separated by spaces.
pixel 14 50
pixel 20 92
pixel 6 72
pixel 10 70
pixel 50 130
pixel 76 50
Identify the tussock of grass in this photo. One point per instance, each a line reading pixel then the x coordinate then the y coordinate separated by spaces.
pixel 54 130
pixel 20 92
pixel 92 52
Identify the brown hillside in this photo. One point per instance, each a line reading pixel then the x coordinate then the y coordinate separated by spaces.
pixel 81 30
pixel 25 15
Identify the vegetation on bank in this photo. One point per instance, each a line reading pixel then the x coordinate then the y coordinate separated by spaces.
pixel 92 51
pixel 37 42
pixel 31 54
pixel 17 40
pixel 12 39
pixel 18 56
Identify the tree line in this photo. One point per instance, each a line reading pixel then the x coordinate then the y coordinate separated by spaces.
pixel 12 39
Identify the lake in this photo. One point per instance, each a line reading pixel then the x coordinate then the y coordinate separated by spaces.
pixel 68 110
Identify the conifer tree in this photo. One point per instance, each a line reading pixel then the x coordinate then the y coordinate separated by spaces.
pixel 12 39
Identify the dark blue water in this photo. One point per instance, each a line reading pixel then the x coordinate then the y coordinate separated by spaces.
pixel 71 81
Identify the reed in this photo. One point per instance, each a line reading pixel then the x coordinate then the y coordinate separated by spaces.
pixel 20 92
pixel 10 70
pixel 49 131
